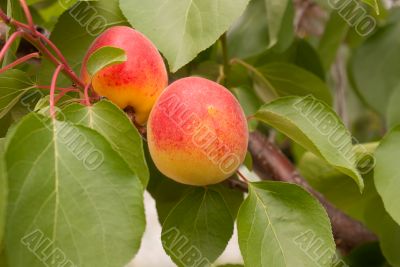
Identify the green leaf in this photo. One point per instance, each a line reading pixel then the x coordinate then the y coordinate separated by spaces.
pixel 307 57
pixel 337 187
pixel 115 126
pixel 13 10
pixel 287 79
pixel 204 220
pixel 393 109
pixel 3 191
pixel 253 32
pixel 5 122
pixel 104 57
pixel 49 11
pixel 279 225
pixel 381 53
pixel 276 10
pixel 248 36
pixel 166 192
pixel 387 173
pixel 182 28
pixel 3 259
pixel 374 4
pixel 335 32
pixel 301 53
pixel 70 189
pixel 13 85
pixel 317 128
pixel 248 161
pixel 249 102
pixel 43 104
pixel 76 29
pixel 387 230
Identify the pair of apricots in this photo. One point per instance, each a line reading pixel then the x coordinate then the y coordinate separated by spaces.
pixel 197 131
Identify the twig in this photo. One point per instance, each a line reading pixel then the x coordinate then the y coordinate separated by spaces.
pixel 86 93
pixel 63 93
pixel 270 163
pixel 39 40
pixel 272 92
pixel 301 14
pixel 221 77
pixel 225 55
pixel 28 16
pixel 53 89
pixel 242 177
pixel 9 42
pixel 4 17
pixel 45 51
pixel 20 61
pixel 59 55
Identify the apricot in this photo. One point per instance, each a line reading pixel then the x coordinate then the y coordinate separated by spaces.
pixel 197 132
pixel 137 82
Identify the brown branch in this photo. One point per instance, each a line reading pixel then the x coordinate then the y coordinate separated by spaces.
pixel 270 163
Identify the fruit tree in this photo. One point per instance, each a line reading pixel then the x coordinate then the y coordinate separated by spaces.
pixel 271 125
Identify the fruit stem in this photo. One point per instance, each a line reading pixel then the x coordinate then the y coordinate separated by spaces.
pixel 226 64
pixel 249 118
pixel 63 93
pixel 8 44
pixel 28 16
pixel 20 61
pixel 86 92
pixel 258 74
pixel 4 17
pixel 242 177
pixel 53 89
pixel 60 56
pixel 43 49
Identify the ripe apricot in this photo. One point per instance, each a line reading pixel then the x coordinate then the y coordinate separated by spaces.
pixel 197 132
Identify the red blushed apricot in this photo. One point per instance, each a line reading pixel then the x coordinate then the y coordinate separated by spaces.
pixel 139 81
pixel 197 132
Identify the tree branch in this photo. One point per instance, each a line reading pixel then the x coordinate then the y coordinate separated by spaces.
pixel 20 61
pixel 270 163
pixel 41 41
pixel 53 90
